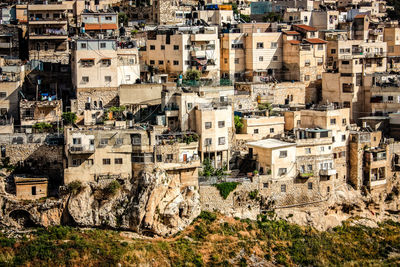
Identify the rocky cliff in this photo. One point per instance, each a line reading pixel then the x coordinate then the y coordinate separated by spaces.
pixel 153 203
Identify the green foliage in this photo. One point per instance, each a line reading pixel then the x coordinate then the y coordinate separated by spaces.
pixel 209 170
pixel 134 32
pixel 207 216
pixel 225 188
pixel 75 187
pixel 235 8
pixel 122 18
pixel 265 106
pixel 42 126
pixel 238 123
pixel 193 75
pixel 272 17
pixel 253 194
pixel 246 18
pixel 111 189
pixel 69 117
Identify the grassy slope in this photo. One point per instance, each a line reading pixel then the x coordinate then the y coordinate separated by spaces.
pixel 211 240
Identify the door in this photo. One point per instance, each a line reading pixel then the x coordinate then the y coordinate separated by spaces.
pixel 184 157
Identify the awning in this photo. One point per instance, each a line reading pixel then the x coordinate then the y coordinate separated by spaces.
pixel 105 58
pixel 100 26
pixel 84 59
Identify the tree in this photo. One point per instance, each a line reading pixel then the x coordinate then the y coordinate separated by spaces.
pixel 69 117
pixel 238 123
pixel 122 18
pixel 193 75
pixel 246 18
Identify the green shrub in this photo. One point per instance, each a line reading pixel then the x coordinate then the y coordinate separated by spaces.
pixel 75 187
pixel 238 123
pixel 253 194
pixel 42 126
pixel 207 216
pixel 225 188
pixel 111 189
pixel 69 117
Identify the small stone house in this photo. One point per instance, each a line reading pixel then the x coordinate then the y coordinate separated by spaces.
pixel 30 188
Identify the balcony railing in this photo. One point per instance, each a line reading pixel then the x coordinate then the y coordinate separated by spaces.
pixel 327 172
pixel 81 149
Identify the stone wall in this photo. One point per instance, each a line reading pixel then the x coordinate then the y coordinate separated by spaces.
pixel 108 96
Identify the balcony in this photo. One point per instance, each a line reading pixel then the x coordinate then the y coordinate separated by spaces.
pixel 81 149
pixel 306 175
pixel 375 55
pixel 327 172
pixel 5 45
pixel 198 53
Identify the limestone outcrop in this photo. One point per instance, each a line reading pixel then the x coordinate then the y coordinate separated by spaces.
pixel 153 203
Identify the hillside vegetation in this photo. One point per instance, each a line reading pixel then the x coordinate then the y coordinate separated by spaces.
pixel 211 240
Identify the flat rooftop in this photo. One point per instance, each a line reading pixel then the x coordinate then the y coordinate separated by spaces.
pixel 271 143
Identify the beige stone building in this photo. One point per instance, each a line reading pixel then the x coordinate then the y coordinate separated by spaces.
pixel 392 38
pixel 184 49
pixel 32 112
pixel 99 67
pixel 370 161
pixel 30 188
pixel 252 56
pixel 274 157
pixel 48 33
pixel 261 127
pixel 94 155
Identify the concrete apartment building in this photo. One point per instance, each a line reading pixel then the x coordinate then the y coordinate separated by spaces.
pixel 95 155
pixel 97 24
pixel 322 20
pixel 175 50
pixel 253 56
pixel 392 38
pixel 349 60
pixel 99 67
pixel 48 33
pixel 260 127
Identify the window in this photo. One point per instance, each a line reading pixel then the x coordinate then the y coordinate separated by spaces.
pixel 3 94
pixel 221 141
pixel 152 47
pixel 309 167
pixel 162 47
pixel 307 63
pixel 106 161
pixel 307 77
pixel 108 18
pixel 320 47
pixel 170 156
pixel 225 61
pixel 265 185
pixel 107 79
pixel 76 141
pixel 236 60
pixel 127 77
pixel 333 121
pixel 343 137
pixel 159 158
pixel 176 62
pixel 161 62
pixel 275 58
pixel 322 149
pixel 33 190
pixel 260 58
pixel 256 131
pixel 274 45
pixel 106 62
pixel 208 125
pixel 221 124
pixel 319 77
pixel 76 162
pixel 208 141
pixel 283 154
pixel 390 98
pixel 176 47
pixel 119 141
pixel 283 188
pixel 333 51
pixel 85 79
pixel 89 162
pixel 344 122
pixel 187 47
pixel 136 139
pixel 118 161
pixel 189 106
pixel 310 186
pixel 308 150
pixel 103 141
pixel 152 62
pixel 83 45
pixel 260 45
pixel 271 130
pixel 102 45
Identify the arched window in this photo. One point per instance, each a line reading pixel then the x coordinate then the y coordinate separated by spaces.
pixel 46 46
pixel 100 104
pixel 95 104
pixel 37 46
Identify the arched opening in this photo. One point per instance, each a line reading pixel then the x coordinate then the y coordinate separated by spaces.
pixel 22 218
pixel 100 104
pixel 37 46
pixel 46 46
